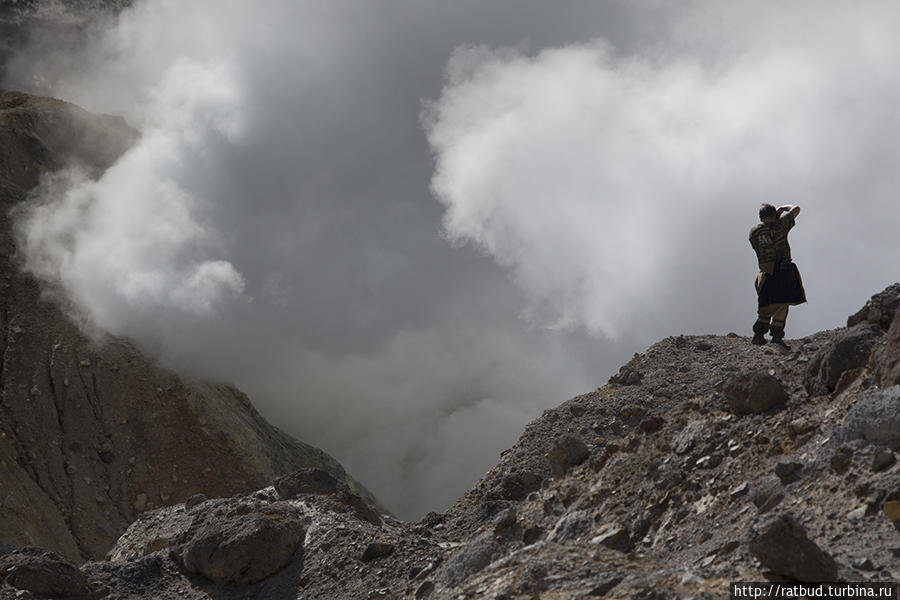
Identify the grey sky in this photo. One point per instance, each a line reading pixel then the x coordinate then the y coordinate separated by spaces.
pixel 596 165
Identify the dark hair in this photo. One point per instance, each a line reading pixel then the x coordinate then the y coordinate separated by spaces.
pixel 767 211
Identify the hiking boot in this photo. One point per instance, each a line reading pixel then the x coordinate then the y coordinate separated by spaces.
pixel 760 328
pixel 778 337
pixel 780 342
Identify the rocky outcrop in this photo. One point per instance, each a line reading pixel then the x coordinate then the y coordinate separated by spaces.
pixel 239 544
pixel 887 358
pixel 92 433
pixel 656 490
pixel 875 418
pixel 45 574
pixel 847 350
pixel 880 309
pixel 754 393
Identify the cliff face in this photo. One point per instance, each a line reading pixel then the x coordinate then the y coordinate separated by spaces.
pixel 93 433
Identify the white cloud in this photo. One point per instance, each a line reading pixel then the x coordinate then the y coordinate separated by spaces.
pixel 620 188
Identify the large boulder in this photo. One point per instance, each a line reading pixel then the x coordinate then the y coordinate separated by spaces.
pixel 321 482
pixel 470 559
pixel 783 546
pixel 875 418
pixel 240 548
pixel 849 349
pixel 754 393
pixel 44 573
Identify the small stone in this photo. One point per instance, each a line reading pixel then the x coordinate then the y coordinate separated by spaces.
pixel 577 410
pixel 709 462
pixel 767 496
pixel 651 424
pixel 788 472
pixel 532 535
pixel 565 454
pixel 377 550
pixel 863 564
pixel 626 376
pixel 892 510
pixel 741 490
pixel 842 460
pixel 883 459
pixel 800 426
pixel 424 589
pixel 703 346
pixel 857 513
pixel 505 520
pixel 611 535
pixel 603 583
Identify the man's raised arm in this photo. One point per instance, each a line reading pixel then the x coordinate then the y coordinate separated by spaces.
pixel 794 210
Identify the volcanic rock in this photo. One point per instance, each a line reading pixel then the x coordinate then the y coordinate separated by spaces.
pixel 887 359
pixel 44 573
pixel 754 393
pixel 783 546
pixel 92 431
pixel 237 548
pixel 850 349
pixel 565 454
pixel 875 418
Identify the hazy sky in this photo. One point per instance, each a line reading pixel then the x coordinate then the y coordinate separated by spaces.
pixel 406 227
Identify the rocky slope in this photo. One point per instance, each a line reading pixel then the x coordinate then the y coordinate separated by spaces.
pixel 92 433
pixel 704 461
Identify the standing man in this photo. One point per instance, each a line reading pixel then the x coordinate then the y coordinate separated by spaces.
pixel 778 283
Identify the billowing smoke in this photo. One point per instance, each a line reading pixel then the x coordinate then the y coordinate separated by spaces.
pixel 618 189
pixel 409 299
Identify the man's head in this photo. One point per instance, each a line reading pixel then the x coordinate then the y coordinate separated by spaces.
pixel 767 213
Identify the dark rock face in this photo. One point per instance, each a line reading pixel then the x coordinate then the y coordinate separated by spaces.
pixel 238 549
pixel 92 433
pixel 887 359
pixel 875 418
pixel 849 350
pixel 44 573
pixel 754 393
pixel 880 309
pixel 783 546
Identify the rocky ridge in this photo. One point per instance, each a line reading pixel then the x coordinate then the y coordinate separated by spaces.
pixel 705 461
